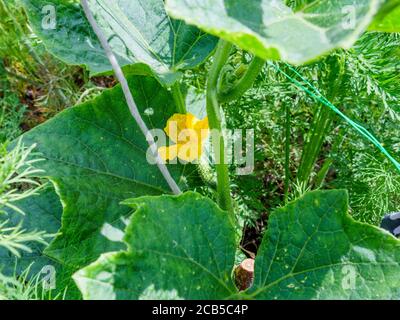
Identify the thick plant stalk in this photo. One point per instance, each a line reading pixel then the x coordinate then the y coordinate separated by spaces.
pixel 245 83
pixel 215 120
pixel 129 98
pixel 178 98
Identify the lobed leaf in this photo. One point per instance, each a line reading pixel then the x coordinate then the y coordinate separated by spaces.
pixel 178 247
pixel 272 30
pixel 313 249
pixel 96 156
pixel 183 247
pixel 388 18
pixel 139 32
pixel 42 213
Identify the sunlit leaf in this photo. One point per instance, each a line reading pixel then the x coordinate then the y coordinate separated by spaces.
pixel 272 30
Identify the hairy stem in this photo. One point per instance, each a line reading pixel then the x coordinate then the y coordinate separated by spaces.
pixel 129 98
pixel 178 98
pixel 244 84
pixel 215 120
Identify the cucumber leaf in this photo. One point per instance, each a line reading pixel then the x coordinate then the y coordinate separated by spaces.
pixel 183 247
pixel 314 250
pixel 95 154
pixel 42 213
pixel 388 18
pixel 138 32
pixel 272 30
pixel 178 248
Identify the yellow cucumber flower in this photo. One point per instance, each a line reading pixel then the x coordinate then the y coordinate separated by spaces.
pixel 189 134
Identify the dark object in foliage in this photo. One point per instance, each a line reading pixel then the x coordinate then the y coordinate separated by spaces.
pixel 391 223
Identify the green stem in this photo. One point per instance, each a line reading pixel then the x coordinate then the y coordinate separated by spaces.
pixel 287 154
pixel 244 84
pixel 320 128
pixel 322 123
pixel 178 98
pixel 214 117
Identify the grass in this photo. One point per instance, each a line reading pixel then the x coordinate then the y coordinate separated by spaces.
pixel 25 287
pixel 11 116
pixel 16 185
pixel 41 82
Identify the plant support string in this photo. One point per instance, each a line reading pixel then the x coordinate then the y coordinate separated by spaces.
pixel 313 92
pixel 129 98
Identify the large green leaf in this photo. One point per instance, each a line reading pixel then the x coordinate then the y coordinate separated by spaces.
pixel 178 248
pixel 272 30
pixel 96 156
pixel 42 213
pixel 388 18
pixel 139 31
pixel 183 247
pixel 314 250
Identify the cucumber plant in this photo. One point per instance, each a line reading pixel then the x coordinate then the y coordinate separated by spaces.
pixel 123 234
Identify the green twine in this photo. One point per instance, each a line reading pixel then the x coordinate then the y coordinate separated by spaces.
pixel 313 92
